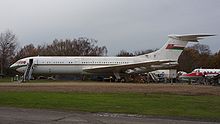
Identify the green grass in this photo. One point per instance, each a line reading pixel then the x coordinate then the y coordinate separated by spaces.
pixel 206 107
pixel 5 80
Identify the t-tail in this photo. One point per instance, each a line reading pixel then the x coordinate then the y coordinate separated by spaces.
pixel 174 47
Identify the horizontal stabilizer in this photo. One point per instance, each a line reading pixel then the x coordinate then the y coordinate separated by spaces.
pixel 190 37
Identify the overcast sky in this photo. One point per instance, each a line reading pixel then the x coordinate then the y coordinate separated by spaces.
pixel 118 24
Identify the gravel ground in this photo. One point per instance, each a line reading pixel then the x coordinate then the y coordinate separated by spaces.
pixel 104 87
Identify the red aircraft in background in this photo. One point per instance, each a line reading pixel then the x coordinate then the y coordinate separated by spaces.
pixel 200 73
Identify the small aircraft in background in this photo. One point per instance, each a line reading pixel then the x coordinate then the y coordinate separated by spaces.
pixel 201 75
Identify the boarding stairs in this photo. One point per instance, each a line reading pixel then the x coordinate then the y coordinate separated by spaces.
pixel 153 77
pixel 28 71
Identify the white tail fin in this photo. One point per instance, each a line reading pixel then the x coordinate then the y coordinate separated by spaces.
pixel 174 47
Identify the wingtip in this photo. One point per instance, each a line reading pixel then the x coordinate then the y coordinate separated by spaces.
pixel 191 37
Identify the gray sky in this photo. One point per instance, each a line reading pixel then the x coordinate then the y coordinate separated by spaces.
pixel 118 24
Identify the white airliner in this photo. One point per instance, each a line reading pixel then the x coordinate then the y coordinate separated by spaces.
pixel 161 58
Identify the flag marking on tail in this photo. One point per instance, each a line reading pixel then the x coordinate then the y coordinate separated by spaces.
pixel 174 47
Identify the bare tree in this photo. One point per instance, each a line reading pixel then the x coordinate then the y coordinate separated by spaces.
pixel 26 51
pixel 188 60
pixel 216 60
pixel 198 56
pixel 124 53
pixel 201 48
pixel 7 48
pixel 76 47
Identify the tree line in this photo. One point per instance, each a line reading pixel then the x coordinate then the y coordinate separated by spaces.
pixel 68 47
pixel 196 56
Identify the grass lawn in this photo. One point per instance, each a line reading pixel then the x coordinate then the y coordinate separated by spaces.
pixel 5 80
pixel 206 107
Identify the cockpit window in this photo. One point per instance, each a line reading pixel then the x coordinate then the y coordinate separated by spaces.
pixel 21 62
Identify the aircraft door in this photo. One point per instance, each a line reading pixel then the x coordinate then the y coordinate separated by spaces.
pixel 31 61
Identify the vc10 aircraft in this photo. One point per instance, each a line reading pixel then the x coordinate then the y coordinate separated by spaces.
pixel 165 57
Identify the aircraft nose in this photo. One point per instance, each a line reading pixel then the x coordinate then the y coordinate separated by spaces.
pixel 12 66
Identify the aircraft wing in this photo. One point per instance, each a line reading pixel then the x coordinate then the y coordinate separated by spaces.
pixel 124 67
pixel 162 67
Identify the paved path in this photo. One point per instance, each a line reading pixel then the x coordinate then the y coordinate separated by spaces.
pixel 39 116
